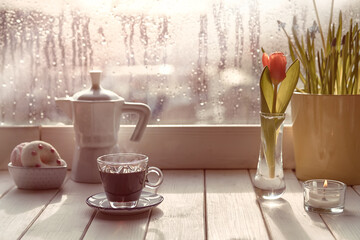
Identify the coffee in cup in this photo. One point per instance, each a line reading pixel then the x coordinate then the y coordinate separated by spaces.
pixel 124 175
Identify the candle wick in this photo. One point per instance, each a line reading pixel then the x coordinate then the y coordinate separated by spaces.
pixel 324 197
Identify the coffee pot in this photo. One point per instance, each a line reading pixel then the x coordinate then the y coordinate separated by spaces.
pixel 96 114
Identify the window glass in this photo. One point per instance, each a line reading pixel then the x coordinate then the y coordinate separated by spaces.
pixel 193 62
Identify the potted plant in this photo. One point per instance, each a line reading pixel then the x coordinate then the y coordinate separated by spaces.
pixel 326 111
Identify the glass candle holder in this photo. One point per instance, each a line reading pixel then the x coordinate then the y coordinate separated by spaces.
pixel 324 196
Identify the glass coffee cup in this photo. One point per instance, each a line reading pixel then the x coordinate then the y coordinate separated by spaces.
pixel 124 175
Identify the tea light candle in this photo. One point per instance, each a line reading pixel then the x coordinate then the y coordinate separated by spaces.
pixel 324 196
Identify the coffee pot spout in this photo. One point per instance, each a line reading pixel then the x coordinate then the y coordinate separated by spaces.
pixel 65 105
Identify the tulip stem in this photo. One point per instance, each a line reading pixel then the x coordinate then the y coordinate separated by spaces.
pixel 274 98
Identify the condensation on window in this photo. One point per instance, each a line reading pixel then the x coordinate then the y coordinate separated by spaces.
pixel 192 62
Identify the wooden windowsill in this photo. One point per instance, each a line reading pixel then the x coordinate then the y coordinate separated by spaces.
pixel 169 147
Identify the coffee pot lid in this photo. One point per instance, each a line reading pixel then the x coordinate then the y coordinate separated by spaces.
pixel 96 92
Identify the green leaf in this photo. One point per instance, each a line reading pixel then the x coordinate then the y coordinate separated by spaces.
pixel 266 91
pixel 339 33
pixel 292 54
pixel 287 87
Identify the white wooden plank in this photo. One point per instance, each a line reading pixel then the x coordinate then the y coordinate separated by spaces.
pixel 19 208
pixel 181 214
pixel 232 211
pixel 347 224
pixel 286 217
pixel 118 227
pixel 6 182
pixel 67 216
pixel 357 188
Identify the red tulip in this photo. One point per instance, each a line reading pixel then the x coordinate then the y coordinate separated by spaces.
pixel 277 66
pixel 265 59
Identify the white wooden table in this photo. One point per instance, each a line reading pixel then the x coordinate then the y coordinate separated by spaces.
pixel 198 204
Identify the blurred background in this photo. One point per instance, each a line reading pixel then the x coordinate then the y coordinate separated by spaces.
pixel 192 62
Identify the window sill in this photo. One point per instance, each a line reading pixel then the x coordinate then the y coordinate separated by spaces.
pixel 168 146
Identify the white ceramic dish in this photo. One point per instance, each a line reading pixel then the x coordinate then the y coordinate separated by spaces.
pixel 37 178
pixel 146 202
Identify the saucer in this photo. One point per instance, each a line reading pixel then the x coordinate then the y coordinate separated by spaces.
pixel 147 201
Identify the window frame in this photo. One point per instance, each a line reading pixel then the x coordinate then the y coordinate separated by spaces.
pixel 168 146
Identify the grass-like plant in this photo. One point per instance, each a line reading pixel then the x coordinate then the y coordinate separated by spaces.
pixel 334 67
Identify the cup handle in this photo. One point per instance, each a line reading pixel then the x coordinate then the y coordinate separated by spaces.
pixel 158 173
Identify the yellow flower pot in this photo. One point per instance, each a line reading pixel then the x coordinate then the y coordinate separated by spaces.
pixel 326 131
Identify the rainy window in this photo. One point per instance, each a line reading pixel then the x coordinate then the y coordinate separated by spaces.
pixel 192 62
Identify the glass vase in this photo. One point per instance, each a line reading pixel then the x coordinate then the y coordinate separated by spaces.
pixel 269 179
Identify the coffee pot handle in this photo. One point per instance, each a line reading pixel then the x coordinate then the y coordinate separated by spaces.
pixel 144 112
